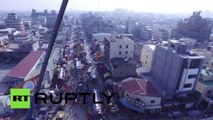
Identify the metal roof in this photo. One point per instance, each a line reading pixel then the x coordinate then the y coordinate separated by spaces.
pixel 23 68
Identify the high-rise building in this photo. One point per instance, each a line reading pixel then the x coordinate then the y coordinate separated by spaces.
pixel 130 25
pixel 44 18
pixel 161 32
pixel 51 19
pixel 146 33
pixel 174 69
pixel 13 22
pixel 39 17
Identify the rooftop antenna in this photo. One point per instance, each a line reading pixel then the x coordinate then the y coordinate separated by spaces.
pixel 47 56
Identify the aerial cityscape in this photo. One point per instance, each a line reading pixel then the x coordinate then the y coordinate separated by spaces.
pixel 114 62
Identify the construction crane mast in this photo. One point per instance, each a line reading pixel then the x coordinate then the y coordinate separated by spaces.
pixel 47 56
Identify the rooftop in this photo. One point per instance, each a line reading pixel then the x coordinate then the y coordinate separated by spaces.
pixel 176 41
pixel 5 69
pixel 187 39
pixel 55 55
pixel 44 46
pixel 156 84
pixel 14 46
pixel 186 54
pixel 9 30
pixel 118 60
pixel 24 66
pixel 123 37
pixel 151 46
pixel 206 72
pixel 22 34
pixel 121 61
pixel 208 83
pixel 140 87
pixel 202 52
pixel 100 34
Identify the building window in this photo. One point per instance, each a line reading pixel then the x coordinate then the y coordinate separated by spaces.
pixel 209 92
pixel 152 101
pixel 120 46
pixel 191 76
pixel 146 56
pixel 173 46
pixel 127 46
pixel 126 52
pixel 212 63
pixel 145 62
pixel 119 52
pixel 187 85
pixel 194 64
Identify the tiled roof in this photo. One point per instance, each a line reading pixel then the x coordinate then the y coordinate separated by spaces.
pixel 25 65
pixel 140 87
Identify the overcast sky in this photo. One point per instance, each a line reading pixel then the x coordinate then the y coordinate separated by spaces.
pixel 169 6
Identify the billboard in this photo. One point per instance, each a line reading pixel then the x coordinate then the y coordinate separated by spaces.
pixel 30 83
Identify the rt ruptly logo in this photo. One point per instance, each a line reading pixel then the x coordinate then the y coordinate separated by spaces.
pixel 19 98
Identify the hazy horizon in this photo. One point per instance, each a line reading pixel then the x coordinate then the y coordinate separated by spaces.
pixel 160 6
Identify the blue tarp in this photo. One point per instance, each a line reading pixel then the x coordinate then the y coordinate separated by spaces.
pixel 130 106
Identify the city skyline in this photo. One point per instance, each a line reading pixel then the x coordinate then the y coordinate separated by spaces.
pixel 108 60
pixel 163 6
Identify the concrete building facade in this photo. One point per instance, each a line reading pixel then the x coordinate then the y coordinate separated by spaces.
pixel 118 46
pixel 175 70
pixel 161 32
pixel 29 46
pixel 51 19
pixel 22 37
pixel 138 50
pixel 205 87
pixel 141 94
pixel 13 22
pixel 19 74
pixel 207 54
pixel 147 56
pixel 190 42
pixel 146 33
pixel 39 17
pixel 99 37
